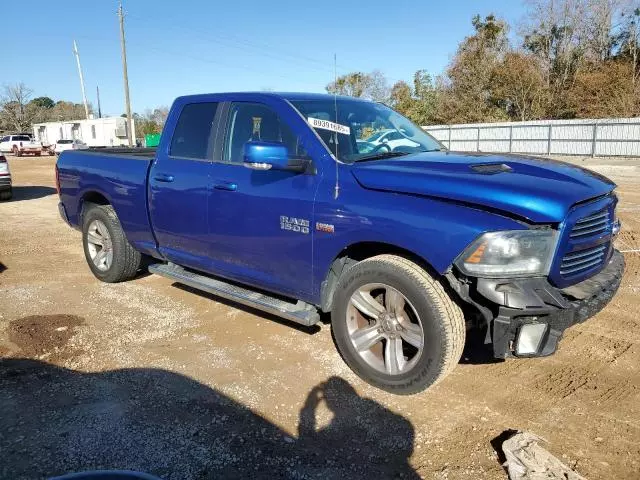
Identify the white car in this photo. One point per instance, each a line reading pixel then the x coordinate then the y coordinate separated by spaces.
pixel 5 179
pixel 62 145
pixel 20 145
pixel 392 138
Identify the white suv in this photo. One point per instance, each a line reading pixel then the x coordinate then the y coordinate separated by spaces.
pixel 62 145
pixel 20 145
pixel 393 138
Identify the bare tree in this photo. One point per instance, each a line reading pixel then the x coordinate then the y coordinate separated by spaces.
pixel 17 112
pixel 378 89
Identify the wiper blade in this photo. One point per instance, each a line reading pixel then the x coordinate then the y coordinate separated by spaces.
pixel 381 155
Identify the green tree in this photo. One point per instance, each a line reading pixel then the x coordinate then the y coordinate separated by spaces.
pixel 372 86
pixel 466 93
pixel 44 102
pixel 353 84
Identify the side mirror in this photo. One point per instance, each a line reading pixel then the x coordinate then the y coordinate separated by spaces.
pixel 270 155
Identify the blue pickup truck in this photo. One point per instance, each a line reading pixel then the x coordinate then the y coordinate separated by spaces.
pixel 279 202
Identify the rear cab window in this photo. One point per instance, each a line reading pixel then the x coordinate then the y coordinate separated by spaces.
pixel 192 135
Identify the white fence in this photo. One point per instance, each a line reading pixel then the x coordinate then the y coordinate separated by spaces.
pixel 598 138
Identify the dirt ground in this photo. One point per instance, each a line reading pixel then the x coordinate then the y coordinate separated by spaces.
pixel 151 376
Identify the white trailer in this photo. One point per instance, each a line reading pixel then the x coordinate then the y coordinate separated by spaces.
pixel 96 132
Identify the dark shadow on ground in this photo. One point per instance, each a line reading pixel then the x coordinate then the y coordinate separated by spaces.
pixel 254 311
pixel 497 442
pixel 31 192
pixel 476 352
pixel 2 267
pixel 56 420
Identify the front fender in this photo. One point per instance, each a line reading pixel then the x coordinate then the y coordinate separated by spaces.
pixel 434 230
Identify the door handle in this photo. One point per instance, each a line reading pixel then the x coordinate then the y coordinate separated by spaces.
pixel 163 177
pixel 230 186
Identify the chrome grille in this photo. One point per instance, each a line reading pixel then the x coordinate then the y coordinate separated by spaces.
pixel 592 225
pixel 576 262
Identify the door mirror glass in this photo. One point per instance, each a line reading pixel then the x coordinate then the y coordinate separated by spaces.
pixel 260 155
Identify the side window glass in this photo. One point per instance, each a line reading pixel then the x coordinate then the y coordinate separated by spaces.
pixel 256 122
pixel 193 130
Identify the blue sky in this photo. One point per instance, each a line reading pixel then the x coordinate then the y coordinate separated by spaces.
pixel 197 46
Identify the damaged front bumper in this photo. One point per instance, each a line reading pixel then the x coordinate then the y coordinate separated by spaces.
pixel 527 317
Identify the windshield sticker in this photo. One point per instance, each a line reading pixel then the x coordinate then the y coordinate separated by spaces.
pixel 327 125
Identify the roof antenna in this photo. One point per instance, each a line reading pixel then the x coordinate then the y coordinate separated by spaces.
pixel 335 101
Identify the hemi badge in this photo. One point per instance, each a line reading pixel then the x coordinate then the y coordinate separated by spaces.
pixel 325 227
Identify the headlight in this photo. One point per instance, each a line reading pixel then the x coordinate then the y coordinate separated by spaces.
pixel 516 253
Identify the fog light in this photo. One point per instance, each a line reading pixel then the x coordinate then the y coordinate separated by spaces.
pixel 529 338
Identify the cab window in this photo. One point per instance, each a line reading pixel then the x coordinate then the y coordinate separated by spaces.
pixel 257 122
pixel 191 137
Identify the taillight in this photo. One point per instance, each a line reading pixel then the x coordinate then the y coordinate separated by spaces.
pixel 73 146
pixel 57 180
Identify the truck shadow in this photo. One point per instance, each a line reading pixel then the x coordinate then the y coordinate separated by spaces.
pixel 32 192
pixel 55 420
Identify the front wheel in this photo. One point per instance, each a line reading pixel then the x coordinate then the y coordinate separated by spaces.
pixel 6 194
pixel 395 325
pixel 109 254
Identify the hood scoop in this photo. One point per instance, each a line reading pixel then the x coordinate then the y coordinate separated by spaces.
pixel 491 168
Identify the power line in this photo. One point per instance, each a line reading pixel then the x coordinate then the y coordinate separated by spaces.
pixel 259 48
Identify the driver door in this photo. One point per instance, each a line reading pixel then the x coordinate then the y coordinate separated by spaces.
pixel 260 221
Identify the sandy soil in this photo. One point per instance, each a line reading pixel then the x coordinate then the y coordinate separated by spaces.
pixel 152 376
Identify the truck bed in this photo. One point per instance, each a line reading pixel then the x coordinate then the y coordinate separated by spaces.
pixel 116 176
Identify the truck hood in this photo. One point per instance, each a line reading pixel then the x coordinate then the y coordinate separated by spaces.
pixel 539 190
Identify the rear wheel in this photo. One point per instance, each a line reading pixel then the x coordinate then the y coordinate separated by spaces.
pixel 109 254
pixel 395 325
pixel 6 194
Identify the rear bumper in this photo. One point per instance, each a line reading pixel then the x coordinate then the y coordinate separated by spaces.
pixel 510 304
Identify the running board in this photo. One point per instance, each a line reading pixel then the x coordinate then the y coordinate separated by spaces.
pixel 300 312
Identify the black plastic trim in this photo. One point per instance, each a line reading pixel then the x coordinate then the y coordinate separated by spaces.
pixel 535 300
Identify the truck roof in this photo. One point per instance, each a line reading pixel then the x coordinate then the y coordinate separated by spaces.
pixel 291 96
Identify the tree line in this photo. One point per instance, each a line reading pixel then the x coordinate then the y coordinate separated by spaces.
pixel 570 59
pixel 19 111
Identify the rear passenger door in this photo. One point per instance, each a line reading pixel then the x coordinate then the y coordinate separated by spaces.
pixel 179 190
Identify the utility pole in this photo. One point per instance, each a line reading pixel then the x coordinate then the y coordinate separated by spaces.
pixel 84 96
pixel 99 109
pixel 125 75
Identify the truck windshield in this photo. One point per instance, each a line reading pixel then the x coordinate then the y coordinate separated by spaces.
pixel 359 130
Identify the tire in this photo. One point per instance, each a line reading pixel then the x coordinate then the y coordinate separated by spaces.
pixel 125 260
pixel 426 308
pixel 38 154
pixel 6 195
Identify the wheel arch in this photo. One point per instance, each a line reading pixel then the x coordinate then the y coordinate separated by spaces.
pixel 90 197
pixel 357 252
